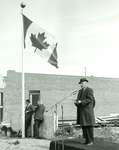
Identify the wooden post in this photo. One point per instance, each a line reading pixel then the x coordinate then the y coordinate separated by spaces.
pixel 55 114
pixel 56 117
pixel 62 127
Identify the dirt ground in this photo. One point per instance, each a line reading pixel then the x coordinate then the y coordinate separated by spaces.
pixel 23 144
pixel 109 134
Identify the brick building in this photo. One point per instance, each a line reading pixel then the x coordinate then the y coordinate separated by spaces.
pixel 53 88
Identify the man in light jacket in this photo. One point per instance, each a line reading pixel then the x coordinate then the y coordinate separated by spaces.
pixel 38 118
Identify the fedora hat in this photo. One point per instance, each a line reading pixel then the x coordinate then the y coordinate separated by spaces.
pixel 27 100
pixel 83 80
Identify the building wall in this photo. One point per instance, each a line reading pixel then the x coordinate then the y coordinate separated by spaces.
pixel 12 100
pixel 2 84
pixel 55 88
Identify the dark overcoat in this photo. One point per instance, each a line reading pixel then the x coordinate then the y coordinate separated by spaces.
pixel 39 112
pixel 28 113
pixel 85 110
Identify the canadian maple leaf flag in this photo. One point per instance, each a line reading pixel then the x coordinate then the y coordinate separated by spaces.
pixel 41 41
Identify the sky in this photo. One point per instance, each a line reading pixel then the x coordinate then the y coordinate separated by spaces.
pixel 87 32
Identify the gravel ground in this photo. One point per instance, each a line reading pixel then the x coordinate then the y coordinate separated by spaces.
pixel 23 144
pixel 108 133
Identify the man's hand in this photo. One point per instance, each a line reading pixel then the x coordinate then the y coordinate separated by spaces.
pixel 79 101
pixel 75 102
pixel 26 112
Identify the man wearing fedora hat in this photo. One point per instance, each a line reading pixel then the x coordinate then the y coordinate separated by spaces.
pixel 85 103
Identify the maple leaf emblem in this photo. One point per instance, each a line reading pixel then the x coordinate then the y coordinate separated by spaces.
pixel 39 41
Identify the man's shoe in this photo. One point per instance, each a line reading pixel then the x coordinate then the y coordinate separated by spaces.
pixel 85 143
pixel 88 144
pixel 36 137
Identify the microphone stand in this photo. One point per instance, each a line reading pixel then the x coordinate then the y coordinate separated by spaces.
pixel 72 93
pixel 59 102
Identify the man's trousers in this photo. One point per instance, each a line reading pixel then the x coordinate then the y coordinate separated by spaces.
pixel 36 128
pixel 88 133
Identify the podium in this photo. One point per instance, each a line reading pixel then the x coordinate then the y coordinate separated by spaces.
pixel 49 125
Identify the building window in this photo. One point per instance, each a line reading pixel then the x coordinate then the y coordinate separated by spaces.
pixel 34 96
pixel 1 107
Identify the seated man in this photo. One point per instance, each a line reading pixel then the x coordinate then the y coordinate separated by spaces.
pixel 38 118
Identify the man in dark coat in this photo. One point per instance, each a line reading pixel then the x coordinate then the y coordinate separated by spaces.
pixel 38 118
pixel 85 103
pixel 28 116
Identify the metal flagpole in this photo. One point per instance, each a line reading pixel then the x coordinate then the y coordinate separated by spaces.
pixel 85 70
pixel 23 81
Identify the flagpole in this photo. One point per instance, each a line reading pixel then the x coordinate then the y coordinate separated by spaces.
pixel 23 81
pixel 85 71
